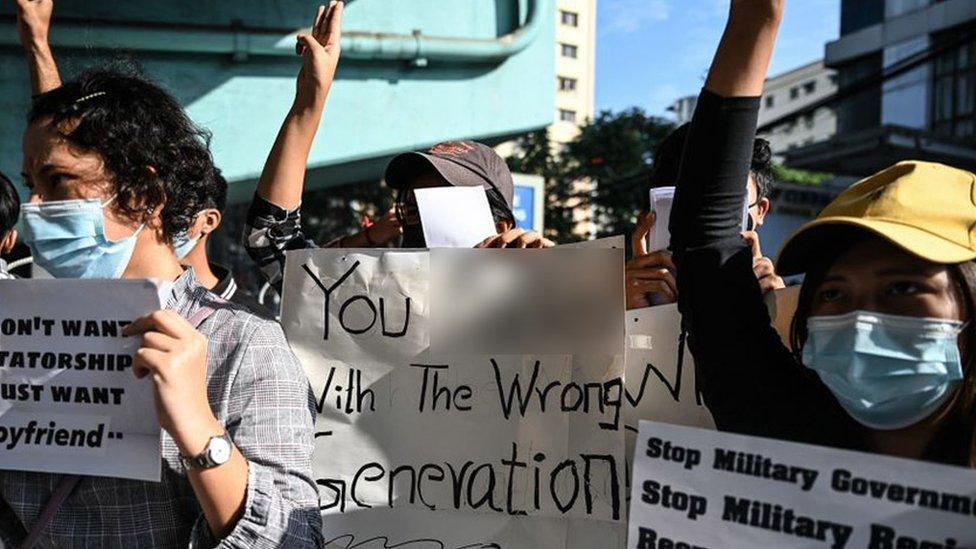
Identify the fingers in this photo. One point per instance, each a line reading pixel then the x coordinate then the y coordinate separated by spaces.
pixel 661 259
pixel 306 43
pixel 164 321
pixel 663 291
pixel 763 267
pixel 771 283
pixel 752 239
pixel 517 238
pixel 331 36
pixel 637 279
pixel 148 361
pixel 320 15
pixel 638 239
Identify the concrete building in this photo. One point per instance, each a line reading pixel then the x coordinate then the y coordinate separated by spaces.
pixel 907 87
pixel 793 91
pixel 783 96
pixel 413 73
pixel 575 67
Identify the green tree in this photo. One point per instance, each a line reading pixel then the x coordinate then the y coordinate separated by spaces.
pixel 536 156
pixel 613 152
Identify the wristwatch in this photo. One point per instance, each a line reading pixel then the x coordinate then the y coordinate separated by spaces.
pixel 216 453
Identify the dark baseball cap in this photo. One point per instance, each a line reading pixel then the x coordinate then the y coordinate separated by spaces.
pixel 461 163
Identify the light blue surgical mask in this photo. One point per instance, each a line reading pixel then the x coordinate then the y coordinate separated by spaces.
pixel 887 371
pixel 183 245
pixel 67 239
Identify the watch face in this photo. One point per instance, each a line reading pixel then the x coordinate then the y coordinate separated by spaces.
pixel 219 450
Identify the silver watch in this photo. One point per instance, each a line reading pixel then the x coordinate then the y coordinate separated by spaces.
pixel 216 453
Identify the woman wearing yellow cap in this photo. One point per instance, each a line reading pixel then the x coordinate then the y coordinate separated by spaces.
pixel 883 346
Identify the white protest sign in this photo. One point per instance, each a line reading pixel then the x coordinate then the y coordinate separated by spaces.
pixel 459 450
pixel 454 217
pixel 699 488
pixel 69 401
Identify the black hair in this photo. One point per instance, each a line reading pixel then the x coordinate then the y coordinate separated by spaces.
pixel 9 205
pixel 134 124
pixel 667 161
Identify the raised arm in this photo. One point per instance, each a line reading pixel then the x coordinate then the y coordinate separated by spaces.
pixel 33 24
pixel 283 178
pixel 750 381
pixel 740 63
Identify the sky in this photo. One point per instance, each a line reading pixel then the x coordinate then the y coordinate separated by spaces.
pixel 651 52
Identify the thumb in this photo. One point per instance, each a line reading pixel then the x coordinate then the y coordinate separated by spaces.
pixel 752 239
pixel 645 222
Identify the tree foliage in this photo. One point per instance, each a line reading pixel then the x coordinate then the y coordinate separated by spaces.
pixel 613 153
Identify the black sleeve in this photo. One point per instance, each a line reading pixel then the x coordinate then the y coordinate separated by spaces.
pixel 750 380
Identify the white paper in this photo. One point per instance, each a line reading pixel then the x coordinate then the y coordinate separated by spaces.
pixel 711 489
pixel 660 373
pixel 532 471
pixel 660 236
pixel 454 217
pixel 104 420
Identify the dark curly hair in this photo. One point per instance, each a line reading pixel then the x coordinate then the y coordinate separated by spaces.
pixel 134 124
pixel 667 161
pixel 9 205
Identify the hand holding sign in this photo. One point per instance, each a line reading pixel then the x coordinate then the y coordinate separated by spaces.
pixel 763 266
pixel 649 275
pixel 516 238
pixel 175 355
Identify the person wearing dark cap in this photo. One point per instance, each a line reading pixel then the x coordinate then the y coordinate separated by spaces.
pixel 9 212
pixel 274 220
pixel 883 343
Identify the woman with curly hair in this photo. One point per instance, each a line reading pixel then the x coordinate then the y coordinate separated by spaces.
pixel 114 166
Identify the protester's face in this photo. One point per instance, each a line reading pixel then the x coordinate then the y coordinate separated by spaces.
pixel 875 275
pixel 757 207
pixel 55 170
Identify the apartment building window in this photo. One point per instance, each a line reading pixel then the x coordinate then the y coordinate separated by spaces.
pixel 569 50
pixel 794 92
pixel 954 90
pixel 566 115
pixel 810 87
pixel 569 18
pixel 770 101
pixel 567 84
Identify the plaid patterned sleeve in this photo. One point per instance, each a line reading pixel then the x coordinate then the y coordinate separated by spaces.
pixel 271 414
pixel 269 232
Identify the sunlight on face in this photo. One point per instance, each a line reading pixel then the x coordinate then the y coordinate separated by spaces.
pixel 56 170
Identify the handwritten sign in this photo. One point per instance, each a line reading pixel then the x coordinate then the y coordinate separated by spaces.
pixel 699 488
pixel 69 402
pixel 424 449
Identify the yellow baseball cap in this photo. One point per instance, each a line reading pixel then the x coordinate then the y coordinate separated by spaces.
pixel 928 209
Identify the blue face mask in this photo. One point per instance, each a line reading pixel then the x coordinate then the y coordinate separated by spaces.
pixel 887 371
pixel 183 245
pixel 67 239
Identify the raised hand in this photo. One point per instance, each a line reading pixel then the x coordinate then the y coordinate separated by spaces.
pixel 649 276
pixel 320 56
pixel 33 20
pixel 33 26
